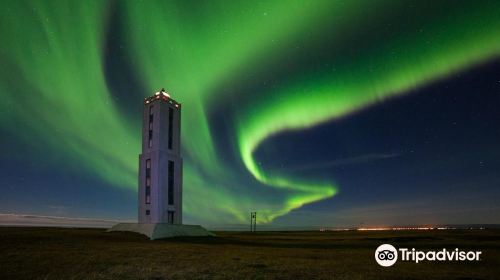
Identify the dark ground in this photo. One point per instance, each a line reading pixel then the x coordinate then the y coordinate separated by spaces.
pixel 57 253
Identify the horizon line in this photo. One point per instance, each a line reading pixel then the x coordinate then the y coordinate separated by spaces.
pixel 33 220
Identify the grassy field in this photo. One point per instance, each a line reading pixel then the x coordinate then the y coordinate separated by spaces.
pixel 57 253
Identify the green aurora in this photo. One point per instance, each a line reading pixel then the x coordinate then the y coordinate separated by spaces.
pixel 53 59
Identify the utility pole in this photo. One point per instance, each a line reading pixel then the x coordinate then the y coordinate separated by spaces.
pixel 253 221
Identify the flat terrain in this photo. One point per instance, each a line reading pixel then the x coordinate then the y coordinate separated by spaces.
pixel 58 253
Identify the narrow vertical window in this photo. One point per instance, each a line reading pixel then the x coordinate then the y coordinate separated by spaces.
pixel 170 126
pixel 170 182
pixel 148 168
pixel 147 189
pixel 151 117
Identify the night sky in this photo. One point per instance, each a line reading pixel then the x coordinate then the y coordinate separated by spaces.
pixel 312 113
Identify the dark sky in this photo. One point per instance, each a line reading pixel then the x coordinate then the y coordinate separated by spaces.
pixel 312 114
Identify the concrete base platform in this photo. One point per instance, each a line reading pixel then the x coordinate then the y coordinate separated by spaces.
pixel 159 231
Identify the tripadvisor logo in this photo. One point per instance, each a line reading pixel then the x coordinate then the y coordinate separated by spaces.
pixel 387 255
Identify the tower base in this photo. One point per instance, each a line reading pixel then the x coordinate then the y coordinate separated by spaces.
pixel 159 231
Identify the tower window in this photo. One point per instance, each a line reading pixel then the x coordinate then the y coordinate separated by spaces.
pixel 148 168
pixel 147 212
pixel 170 126
pixel 150 139
pixel 170 182
pixel 148 181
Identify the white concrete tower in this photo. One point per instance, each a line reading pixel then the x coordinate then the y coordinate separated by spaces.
pixel 160 163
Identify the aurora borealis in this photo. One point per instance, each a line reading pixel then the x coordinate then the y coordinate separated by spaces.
pixel 250 76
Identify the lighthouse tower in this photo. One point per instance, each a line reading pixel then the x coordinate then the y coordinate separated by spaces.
pixel 160 163
pixel 160 173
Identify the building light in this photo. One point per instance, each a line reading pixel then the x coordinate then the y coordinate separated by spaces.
pixel 162 92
